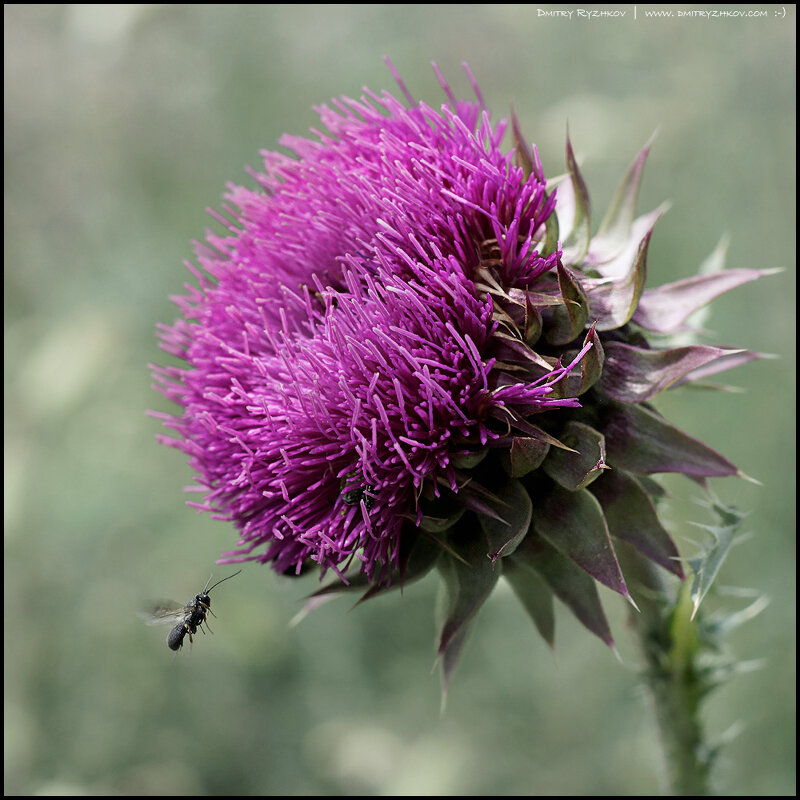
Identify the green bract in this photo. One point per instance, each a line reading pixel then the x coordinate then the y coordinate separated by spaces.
pixel 546 502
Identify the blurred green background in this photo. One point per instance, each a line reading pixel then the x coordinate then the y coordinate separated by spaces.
pixel 122 124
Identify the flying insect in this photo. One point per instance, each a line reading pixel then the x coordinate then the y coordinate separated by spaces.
pixel 186 619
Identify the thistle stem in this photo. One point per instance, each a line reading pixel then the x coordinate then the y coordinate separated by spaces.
pixel 669 644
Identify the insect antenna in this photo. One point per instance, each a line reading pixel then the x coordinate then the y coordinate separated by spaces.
pixel 209 588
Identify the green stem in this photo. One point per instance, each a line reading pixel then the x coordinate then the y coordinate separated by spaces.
pixel 669 644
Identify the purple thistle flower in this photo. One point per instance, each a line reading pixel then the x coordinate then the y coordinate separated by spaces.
pixel 342 343
pixel 409 350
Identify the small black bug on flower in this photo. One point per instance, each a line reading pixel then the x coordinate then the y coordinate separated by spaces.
pixel 353 497
pixel 189 617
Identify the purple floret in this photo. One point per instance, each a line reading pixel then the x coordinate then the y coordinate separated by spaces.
pixel 338 353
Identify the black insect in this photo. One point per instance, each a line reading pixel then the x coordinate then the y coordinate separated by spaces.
pixel 188 618
pixel 353 497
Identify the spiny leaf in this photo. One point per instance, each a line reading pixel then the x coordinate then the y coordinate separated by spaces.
pixel 448 658
pixel 725 623
pixel 523 155
pixel 551 240
pixel 434 524
pixel 573 523
pixel 575 242
pixel 615 297
pixel 571 318
pixel 706 564
pixel 512 349
pixel 567 581
pixel 514 420
pixel 534 595
pixel 632 517
pixel 640 441
pixel 573 385
pixel 524 455
pixel 577 469
pixel 531 304
pixel 635 374
pixel 715 262
pixel 592 363
pixel 731 359
pixel 468 581
pixel 503 537
pixel 615 228
pixel 666 308
pixel 468 460
pixel 478 498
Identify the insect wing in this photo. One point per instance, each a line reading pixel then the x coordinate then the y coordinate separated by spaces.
pixel 166 612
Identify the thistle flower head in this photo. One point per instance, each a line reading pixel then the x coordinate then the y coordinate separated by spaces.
pixel 410 350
